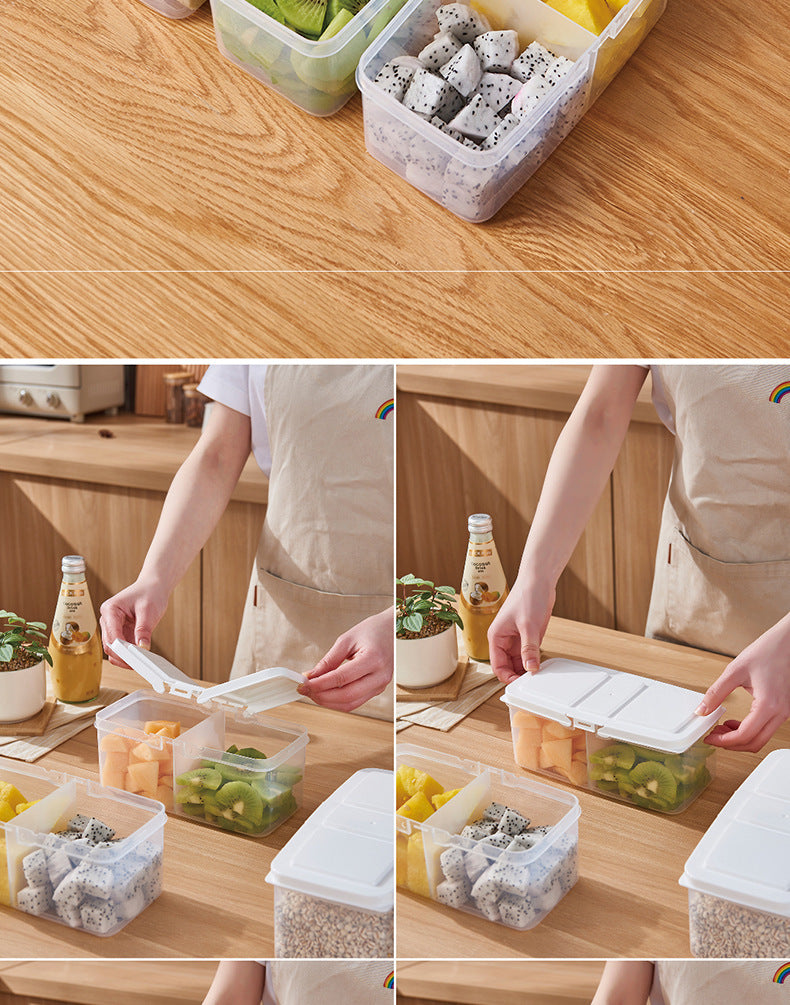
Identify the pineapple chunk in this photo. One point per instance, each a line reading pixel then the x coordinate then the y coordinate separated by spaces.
pixel 444 797
pixel 413 780
pixel 593 15
pixel 415 863
pixel 416 808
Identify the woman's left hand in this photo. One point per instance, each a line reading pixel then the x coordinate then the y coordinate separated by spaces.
pixel 357 667
pixel 762 669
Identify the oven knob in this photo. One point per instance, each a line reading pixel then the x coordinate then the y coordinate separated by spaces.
pixel 53 399
pixel 25 397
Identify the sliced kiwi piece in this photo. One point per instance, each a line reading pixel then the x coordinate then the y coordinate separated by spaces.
pixel 616 755
pixel 305 16
pixel 654 782
pixel 269 7
pixel 201 778
pixel 338 22
pixel 242 800
pixel 288 775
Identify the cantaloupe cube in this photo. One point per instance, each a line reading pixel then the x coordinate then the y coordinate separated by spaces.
pixel 149 752
pixel 165 795
pixel 113 779
pixel 559 752
pixel 580 743
pixel 163 727
pixel 165 779
pixel 526 719
pixel 593 15
pixel 528 754
pixel 113 743
pixel 556 731
pixel 116 760
pixel 142 776
pixel 530 738
pixel 544 761
pixel 578 773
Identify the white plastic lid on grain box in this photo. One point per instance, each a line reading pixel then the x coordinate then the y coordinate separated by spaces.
pixel 612 704
pixel 344 851
pixel 745 854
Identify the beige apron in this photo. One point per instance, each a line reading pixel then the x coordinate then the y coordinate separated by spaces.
pixel 722 574
pixel 718 982
pixel 330 982
pixel 325 557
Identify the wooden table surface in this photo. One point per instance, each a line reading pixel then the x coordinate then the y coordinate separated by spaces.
pixel 627 901
pixel 215 902
pixel 158 200
pixel 485 982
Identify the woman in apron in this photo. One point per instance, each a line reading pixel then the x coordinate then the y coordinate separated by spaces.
pixel 302 982
pixel 321 592
pixel 722 578
pixel 690 982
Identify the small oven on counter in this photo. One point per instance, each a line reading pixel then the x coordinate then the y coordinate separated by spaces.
pixel 61 390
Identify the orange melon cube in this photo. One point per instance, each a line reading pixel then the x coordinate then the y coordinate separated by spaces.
pixel 165 795
pixel 113 779
pixel 559 752
pixel 556 731
pixel 148 752
pixel 528 754
pixel 113 743
pixel 526 719
pixel 142 776
pixel 163 727
pixel 578 773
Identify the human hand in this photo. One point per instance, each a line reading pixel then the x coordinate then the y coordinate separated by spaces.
pixel 517 631
pixel 131 615
pixel 762 669
pixel 358 666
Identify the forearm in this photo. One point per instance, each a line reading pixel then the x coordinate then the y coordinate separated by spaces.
pixel 625 982
pixel 236 982
pixel 197 497
pixel 580 465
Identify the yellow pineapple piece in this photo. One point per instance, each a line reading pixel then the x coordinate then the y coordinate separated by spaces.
pixel 415 865
pixel 401 861
pixel 21 807
pixel 416 808
pixel 10 794
pixel 616 5
pixel 593 15
pixel 444 797
pixel 5 890
pixel 7 811
pixel 413 780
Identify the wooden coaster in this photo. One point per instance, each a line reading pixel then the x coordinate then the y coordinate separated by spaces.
pixel 36 726
pixel 446 690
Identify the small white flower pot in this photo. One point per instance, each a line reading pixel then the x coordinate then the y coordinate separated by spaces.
pixel 425 662
pixel 22 692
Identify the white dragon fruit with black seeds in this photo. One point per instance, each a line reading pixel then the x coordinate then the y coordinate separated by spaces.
pixel 513 823
pixel 518 912
pixel 452 862
pixel 35 868
pixel 511 877
pixel 476 864
pixel 58 866
pixel 475 120
pixel 494 812
pixel 485 889
pixel 78 823
pixel 481 828
pixel 535 60
pixel 35 900
pixel 498 89
pixel 530 96
pixel 395 76
pixel 496 50
pixel 453 893
pixel 462 21
pixel 131 906
pixel 560 68
pixel 429 94
pixel 463 71
pixel 508 123
pixel 437 52
pixel 497 840
pixel 98 916
pixel 490 910
pixel 94 880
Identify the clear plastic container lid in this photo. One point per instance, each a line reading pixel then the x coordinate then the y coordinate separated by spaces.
pixel 344 851
pixel 745 854
pixel 251 695
pixel 614 704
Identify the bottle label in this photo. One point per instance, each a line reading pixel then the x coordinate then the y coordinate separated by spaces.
pixel 483 587
pixel 74 622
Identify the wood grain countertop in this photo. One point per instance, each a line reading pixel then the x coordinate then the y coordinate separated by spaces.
pixel 486 982
pixel 215 902
pixel 627 902
pixel 142 453
pixel 159 201
pixel 548 386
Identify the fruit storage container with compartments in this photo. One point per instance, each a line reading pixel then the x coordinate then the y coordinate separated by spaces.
pixel 83 855
pixel 175 8
pixel 497 846
pixel 317 75
pixel 628 737
pixel 333 883
pixel 229 766
pixel 738 876
pixel 472 182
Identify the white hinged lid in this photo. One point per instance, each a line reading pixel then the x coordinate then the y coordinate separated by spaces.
pixel 744 856
pixel 613 704
pixel 255 693
pixel 344 851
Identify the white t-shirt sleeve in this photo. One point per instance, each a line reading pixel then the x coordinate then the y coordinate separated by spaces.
pixel 240 387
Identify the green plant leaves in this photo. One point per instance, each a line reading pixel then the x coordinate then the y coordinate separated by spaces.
pixel 413 622
pixel 18 635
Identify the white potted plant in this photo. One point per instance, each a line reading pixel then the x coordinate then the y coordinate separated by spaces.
pixel 23 674
pixel 426 647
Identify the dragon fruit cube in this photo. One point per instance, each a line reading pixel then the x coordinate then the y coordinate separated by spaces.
pixel 78 823
pixel 58 866
pixel 132 906
pixel 476 864
pixel 496 50
pixel 518 912
pixel 429 94
pixel 35 899
pixel 498 89
pixel 476 120
pixel 534 61
pixel 485 889
pixel 452 863
pixel 513 823
pixel 395 76
pixel 494 812
pixel 35 868
pixel 98 915
pixel 511 877
pixel 489 909
pixel 530 96
pixel 558 69
pixel 453 893
pixel 94 880
pixel 462 21
pixel 481 828
pixel 437 52
pixel 463 71
pixel 508 123
pixel 96 831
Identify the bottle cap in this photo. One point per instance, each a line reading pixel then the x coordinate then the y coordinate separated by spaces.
pixel 480 523
pixel 72 563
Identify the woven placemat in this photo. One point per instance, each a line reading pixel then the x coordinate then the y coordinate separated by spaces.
pixel 35 726
pixel 445 690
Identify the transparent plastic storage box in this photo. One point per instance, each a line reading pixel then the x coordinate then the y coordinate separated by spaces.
pixel 514 887
pixel 333 883
pixel 475 184
pixel 738 876
pixel 193 774
pixel 84 855
pixel 628 737
pixel 175 9
pixel 318 76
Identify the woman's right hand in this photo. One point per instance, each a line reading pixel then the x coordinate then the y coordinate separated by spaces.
pixel 517 631
pixel 131 615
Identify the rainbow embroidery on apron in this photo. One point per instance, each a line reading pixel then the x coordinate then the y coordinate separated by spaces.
pixel 389 406
pixel 782 974
pixel 779 391
pixel 390 981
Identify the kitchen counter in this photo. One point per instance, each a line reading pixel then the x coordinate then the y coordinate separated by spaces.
pixel 215 902
pixel 627 902
pixel 141 453
pixel 159 201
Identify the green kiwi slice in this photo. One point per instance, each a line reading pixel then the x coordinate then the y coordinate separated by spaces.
pixel 269 7
pixel 338 22
pixel 201 778
pixel 654 782
pixel 305 16
pixel 242 801
pixel 616 755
